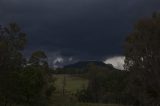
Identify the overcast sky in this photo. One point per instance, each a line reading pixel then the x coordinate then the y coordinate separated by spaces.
pixel 76 29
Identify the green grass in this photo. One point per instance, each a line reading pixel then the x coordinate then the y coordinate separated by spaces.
pixel 73 83
pixel 90 104
pixel 95 104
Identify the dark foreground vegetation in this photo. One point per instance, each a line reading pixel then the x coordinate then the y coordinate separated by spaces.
pixel 30 81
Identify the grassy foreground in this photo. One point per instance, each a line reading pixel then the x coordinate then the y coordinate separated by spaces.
pixel 95 104
pixel 72 83
pixel 90 104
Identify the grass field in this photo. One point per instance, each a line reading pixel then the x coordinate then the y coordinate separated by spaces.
pixel 95 104
pixel 72 83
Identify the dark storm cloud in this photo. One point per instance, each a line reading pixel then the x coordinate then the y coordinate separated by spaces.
pixel 86 29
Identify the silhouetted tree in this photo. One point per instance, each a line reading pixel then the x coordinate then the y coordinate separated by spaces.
pixel 12 41
pixel 142 51
pixel 106 85
pixel 22 82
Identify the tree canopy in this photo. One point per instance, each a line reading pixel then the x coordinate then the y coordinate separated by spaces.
pixel 142 51
pixel 22 82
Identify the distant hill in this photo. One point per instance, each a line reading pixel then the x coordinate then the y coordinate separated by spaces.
pixel 83 66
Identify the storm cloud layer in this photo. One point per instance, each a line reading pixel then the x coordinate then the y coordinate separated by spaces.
pixel 81 29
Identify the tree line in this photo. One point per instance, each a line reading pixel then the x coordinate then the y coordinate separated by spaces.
pixel 22 81
pixel 29 81
pixel 139 83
